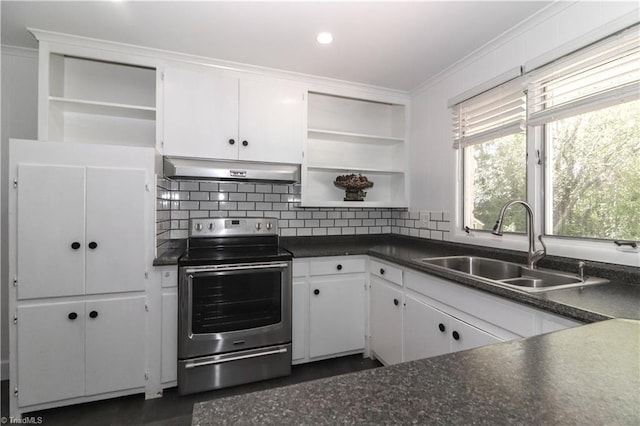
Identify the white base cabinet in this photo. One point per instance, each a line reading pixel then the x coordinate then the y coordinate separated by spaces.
pixel 72 349
pixel 329 307
pixel 415 315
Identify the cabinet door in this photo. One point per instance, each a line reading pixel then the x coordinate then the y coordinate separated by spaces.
pixel 386 322
pixel 51 249
pixel 50 352
pixel 468 336
pixel 115 344
pixel 115 241
pixel 300 310
pixel 169 335
pixel 426 331
pixel 336 315
pixel 200 112
pixel 271 113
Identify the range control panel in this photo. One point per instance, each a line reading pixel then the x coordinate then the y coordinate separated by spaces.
pixel 216 227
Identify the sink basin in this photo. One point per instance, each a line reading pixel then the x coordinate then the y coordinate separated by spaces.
pixel 510 274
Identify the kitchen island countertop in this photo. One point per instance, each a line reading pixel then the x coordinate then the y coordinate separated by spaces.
pixel 583 375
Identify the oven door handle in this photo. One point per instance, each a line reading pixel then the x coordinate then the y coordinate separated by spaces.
pixel 235 358
pixel 243 267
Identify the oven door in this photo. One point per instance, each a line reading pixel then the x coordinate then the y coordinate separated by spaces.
pixel 225 308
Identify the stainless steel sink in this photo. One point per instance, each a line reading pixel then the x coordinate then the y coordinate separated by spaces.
pixel 510 274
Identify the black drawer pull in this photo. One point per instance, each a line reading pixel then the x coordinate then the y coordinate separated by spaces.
pixel 231 141
pixel 75 245
pixel 441 327
pixel 396 302
pixel 245 143
pixel 93 314
pixel 339 267
pixel 72 316
pixel 93 245
pixel 455 335
pixel 316 292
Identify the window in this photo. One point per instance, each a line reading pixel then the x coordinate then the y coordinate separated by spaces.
pixel 490 131
pixel 588 104
pixel 583 114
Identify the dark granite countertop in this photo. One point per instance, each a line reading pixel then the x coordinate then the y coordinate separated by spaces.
pixel 620 298
pixel 583 375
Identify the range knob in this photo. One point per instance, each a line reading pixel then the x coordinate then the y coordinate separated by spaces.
pixel 211 226
pixel 269 226
pixel 198 227
pixel 258 226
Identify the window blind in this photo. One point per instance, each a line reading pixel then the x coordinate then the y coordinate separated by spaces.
pixel 490 115
pixel 598 76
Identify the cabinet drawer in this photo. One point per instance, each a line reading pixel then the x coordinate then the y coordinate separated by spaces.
pixel 300 268
pixel 169 277
pixel 387 272
pixel 337 266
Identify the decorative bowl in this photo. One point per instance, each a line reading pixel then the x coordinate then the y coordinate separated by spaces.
pixel 353 186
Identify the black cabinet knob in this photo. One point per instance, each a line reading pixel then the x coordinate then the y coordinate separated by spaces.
pixel 75 245
pixel 245 143
pixel 231 141
pixel 93 245
pixel 396 302
pixel 72 316
pixel 455 335
pixel 93 314
pixel 441 327
pixel 339 267
pixel 381 271
pixel 316 292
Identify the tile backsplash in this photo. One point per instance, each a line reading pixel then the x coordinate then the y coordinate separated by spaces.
pixel 178 201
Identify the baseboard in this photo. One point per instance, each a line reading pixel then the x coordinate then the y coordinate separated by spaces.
pixel 4 369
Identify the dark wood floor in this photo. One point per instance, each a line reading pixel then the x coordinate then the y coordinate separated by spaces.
pixel 175 410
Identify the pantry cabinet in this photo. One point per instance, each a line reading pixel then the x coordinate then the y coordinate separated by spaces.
pixel 329 309
pixel 81 226
pixel 213 113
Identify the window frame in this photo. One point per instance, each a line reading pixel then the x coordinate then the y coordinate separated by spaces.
pixel 595 249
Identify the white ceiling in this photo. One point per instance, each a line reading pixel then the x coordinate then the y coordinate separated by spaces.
pixel 391 44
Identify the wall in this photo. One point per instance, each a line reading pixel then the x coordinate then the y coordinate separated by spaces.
pixel 557 30
pixel 19 120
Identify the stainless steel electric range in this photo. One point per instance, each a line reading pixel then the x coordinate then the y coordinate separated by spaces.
pixel 234 295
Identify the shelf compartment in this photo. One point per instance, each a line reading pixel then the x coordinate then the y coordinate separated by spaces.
pixel 103 108
pixel 388 189
pixel 348 170
pixel 355 116
pixel 371 156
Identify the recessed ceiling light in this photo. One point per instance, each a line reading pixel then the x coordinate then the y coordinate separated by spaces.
pixel 324 38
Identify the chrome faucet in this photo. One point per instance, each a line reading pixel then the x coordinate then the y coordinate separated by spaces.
pixel 533 256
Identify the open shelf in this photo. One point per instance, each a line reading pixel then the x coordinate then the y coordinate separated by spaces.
pixel 347 135
pixel 103 108
pixel 351 137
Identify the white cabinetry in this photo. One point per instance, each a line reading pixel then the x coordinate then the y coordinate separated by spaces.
pixel 415 315
pixel 80 247
pixel 98 227
pixel 386 322
pixel 94 96
pixel 345 136
pixel 328 307
pixel 169 344
pixel 429 332
pixel 213 113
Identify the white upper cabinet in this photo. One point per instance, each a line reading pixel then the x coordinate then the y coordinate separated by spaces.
pixel 212 113
pixel 354 136
pixel 200 112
